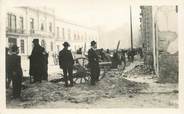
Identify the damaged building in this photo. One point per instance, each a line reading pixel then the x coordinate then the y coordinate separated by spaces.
pixel 160 40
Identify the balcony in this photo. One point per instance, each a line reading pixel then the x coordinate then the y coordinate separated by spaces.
pixel 14 31
pixel 42 33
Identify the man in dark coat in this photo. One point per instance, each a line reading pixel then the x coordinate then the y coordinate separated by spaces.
pixel 45 72
pixel 8 77
pixel 66 63
pixel 93 63
pixel 15 71
pixel 37 61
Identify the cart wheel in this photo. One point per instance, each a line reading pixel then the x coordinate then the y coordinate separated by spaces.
pixel 83 77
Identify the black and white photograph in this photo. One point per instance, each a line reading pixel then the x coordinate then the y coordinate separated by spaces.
pixel 90 54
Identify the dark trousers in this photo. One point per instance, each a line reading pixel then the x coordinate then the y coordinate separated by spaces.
pixel 16 82
pixel 45 73
pixel 38 76
pixel 68 73
pixel 95 73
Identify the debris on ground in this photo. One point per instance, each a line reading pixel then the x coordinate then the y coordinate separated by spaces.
pixel 110 86
pixel 137 68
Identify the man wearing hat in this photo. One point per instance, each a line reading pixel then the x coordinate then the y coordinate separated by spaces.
pixel 93 63
pixel 37 61
pixel 66 63
pixel 15 71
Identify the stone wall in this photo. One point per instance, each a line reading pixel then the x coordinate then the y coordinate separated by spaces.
pixel 168 57
pixel 168 69
pixel 166 20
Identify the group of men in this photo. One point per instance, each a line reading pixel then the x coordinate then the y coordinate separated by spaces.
pixel 66 63
pixel 39 65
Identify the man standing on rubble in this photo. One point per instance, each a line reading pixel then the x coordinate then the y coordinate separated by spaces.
pixel 15 71
pixel 66 63
pixel 93 63
pixel 37 61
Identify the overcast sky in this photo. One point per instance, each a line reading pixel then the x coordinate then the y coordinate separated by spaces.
pixel 106 14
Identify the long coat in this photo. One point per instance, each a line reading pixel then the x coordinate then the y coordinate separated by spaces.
pixel 37 61
pixel 65 58
pixel 94 66
pixel 93 58
pixel 15 71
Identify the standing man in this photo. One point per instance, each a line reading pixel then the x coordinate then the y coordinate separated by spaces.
pixel 15 71
pixel 66 63
pixel 45 65
pixel 37 61
pixel 93 63
pixel 8 78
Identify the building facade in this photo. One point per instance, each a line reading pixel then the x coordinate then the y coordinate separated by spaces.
pixel 27 23
pixel 78 36
pixel 160 39
pixel 23 24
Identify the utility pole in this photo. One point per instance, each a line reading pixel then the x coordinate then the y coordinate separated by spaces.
pixel 131 33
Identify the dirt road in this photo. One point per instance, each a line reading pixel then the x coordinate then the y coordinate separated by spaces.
pixel 129 90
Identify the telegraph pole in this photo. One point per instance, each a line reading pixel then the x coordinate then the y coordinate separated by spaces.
pixel 131 32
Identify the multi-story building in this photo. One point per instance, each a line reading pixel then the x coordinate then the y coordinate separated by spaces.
pixel 159 33
pixel 78 36
pixel 23 24
pixel 27 23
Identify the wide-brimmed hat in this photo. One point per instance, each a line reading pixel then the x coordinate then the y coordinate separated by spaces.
pixel 14 48
pixel 66 44
pixel 93 43
pixel 35 40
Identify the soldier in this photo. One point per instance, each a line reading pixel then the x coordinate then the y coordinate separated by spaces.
pixel 66 63
pixel 93 63
pixel 15 71
pixel 37 61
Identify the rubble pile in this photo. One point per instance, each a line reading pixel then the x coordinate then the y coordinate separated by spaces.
pixel 110 86
pixel 45 91
pixel 139 70
pixel 79 95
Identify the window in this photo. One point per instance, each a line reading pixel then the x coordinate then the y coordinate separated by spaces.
pixel 21 24
pixel 13 23
pixel 9 21
pixel 74 36
pixel 42 27
pixel 176 9
pixel 32 25
pixel 43 43
pixel 22 46
pixel 78 37
pixel 51 46
pixel 57 29
pixel 63 32
pixel 50 27
pixel 69 34
pixel 58 48
pixel 12 41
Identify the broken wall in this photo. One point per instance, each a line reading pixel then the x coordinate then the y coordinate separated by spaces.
pixel 166 20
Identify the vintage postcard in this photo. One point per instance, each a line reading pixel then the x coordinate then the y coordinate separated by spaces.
pixel 94 56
